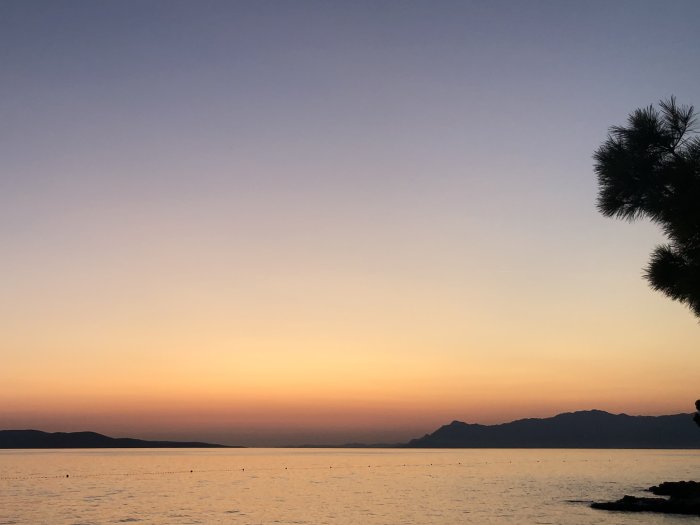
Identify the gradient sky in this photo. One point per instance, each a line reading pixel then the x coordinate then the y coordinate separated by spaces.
pixel 285 222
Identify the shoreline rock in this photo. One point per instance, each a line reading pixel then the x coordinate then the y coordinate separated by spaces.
pixel 683 498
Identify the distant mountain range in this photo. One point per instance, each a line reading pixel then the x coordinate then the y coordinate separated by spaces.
pixel 585 429
pixel 39 439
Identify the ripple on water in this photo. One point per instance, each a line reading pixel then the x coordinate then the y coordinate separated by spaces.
pixel 498 487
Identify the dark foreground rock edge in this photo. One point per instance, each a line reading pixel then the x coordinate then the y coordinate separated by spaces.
pixel 683 498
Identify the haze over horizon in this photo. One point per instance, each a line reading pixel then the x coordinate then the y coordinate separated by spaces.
pixel 279 223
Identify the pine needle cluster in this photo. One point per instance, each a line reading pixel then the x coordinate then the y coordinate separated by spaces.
pixel 650 168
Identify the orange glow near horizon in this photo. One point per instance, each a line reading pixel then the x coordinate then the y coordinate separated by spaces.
pixel 289 385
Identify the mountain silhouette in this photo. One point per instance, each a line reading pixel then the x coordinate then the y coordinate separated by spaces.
pixel 585 429
pixel 39 439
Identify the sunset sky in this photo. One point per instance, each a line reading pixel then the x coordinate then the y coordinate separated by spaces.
pixel 287 222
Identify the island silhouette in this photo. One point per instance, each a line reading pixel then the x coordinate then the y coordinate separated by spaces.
pixel 39 439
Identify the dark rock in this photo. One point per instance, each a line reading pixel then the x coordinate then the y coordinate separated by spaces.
pixel 633 504
pixel 677 489
pixel 684 499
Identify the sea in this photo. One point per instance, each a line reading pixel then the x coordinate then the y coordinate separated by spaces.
pixel 333 486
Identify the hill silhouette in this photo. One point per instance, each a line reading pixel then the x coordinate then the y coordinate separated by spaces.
pixel 39 439
pixel 584 429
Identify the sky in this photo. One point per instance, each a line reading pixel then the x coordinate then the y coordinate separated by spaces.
pixel 271 223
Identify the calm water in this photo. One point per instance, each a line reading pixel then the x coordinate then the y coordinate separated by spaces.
pixel 350 486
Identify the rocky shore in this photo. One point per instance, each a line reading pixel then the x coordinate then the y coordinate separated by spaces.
pixel 682 497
